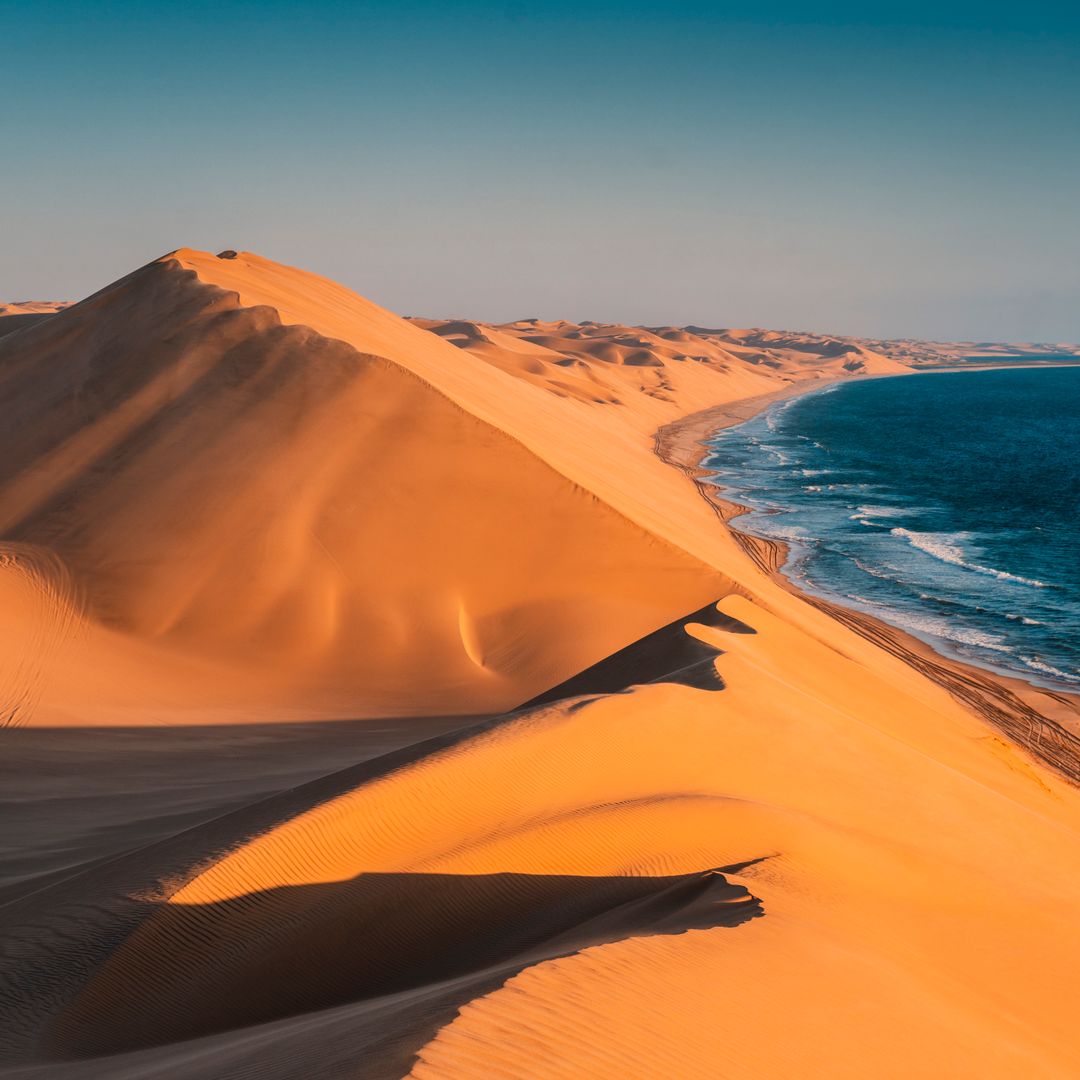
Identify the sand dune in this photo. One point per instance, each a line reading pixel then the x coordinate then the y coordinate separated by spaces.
pixel 539 899
pixel 223 484
pixel 680 367
pixel 619 802
pixel 209 458
pixel 22 315
pixel 940 353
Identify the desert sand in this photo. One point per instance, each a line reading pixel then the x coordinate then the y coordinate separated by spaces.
pixel 388 698
pixel 25 313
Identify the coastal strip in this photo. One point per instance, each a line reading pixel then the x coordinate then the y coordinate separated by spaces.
pixel 1044 722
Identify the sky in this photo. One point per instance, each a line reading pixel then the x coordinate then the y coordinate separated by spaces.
pixel 882 169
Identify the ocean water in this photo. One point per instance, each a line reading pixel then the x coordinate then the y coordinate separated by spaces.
pixel 947 504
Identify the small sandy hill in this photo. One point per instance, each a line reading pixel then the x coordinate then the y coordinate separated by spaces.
pixel 938 353
pixel 795 350
pixel 523 357
pixel 25 313
pixel 616 365
pixel 604 364
pixel 33 307
pixel 885 354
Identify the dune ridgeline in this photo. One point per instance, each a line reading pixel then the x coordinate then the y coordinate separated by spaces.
pixel 547 774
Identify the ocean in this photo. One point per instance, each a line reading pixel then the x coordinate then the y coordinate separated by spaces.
pixel 947 504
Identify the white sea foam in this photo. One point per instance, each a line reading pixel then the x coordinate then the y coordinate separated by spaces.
pixel 875 571
pixel 1036 664
pixel 772 415
pixel 947 630
pixel 835 487
pixel 969 636
pixel 948 601
pixel 878 512
pixel 945 548
pixel 793 534
pixel 1023 620
pixel 936 626
pixel 782 457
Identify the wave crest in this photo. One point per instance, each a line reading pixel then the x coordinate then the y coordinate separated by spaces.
pixel 944 547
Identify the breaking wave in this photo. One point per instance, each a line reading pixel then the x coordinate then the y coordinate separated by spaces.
pixel 945 547
pixel 973 558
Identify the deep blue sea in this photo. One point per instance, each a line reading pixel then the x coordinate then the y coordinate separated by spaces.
pixel 947 504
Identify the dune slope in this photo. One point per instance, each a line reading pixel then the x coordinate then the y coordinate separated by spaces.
pixel 310 523
pixel 639 881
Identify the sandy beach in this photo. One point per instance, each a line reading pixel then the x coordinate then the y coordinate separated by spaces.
pixel 389 697
pixel 1046 722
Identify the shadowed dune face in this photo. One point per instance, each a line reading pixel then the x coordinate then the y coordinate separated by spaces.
pixel 74 798
pixel 671 654
pixel 192 970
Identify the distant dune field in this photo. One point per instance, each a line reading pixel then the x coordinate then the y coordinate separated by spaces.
pixel 387 698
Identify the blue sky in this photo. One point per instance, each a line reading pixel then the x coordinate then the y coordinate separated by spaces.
pixel 892 169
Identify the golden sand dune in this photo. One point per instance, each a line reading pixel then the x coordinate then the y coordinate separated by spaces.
pixel 263 498
pixel 914 924
pixel 611 364
pixel 731 833
pixel 268 486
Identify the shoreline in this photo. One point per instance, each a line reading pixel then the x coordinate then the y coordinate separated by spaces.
pixel 994 365
pixel 1045 722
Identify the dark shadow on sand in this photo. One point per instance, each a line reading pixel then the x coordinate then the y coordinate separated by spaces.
pixel 669 654
pixel 192 970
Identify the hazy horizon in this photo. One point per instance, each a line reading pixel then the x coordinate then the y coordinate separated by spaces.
pixel 905 171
